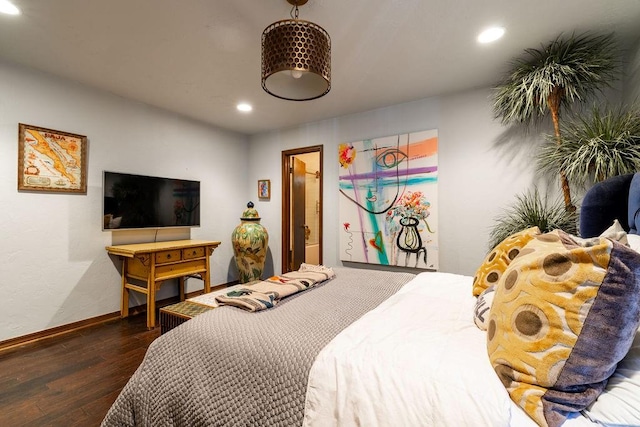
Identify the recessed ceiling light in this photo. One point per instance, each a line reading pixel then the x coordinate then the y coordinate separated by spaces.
pixel 490 35
pixel 9 8
pixel 244 107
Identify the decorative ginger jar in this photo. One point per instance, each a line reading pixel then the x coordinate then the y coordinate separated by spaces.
pixel 250 241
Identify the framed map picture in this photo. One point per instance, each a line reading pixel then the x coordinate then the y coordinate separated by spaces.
pixel 51 160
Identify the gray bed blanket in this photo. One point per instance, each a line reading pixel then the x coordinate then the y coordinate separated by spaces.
pixel 230 367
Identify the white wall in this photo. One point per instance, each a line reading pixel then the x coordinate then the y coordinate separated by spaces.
pixel 631 88
pixel 479 170
pixel 53 266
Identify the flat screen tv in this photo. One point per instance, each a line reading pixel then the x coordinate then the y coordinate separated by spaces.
pixel 138 201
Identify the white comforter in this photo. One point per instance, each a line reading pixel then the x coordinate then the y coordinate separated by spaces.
pixel 416 360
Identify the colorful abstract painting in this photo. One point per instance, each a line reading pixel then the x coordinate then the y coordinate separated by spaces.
pixel 388 200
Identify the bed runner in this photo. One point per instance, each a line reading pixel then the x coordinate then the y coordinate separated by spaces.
pixel 265 294
pixel 229 367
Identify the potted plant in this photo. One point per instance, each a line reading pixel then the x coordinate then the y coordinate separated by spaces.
pixel 531 209
pixel 595 146
pixel 554 77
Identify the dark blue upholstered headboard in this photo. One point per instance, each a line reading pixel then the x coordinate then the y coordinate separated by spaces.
pixel 615 198
pixel 634 204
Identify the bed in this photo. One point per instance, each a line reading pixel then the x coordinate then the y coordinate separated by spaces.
pixel 380 348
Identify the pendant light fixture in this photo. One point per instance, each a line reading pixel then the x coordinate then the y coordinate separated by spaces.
pixel 296 58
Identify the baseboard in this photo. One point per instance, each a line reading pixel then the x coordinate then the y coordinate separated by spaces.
pixel 75 326
pixel 57 331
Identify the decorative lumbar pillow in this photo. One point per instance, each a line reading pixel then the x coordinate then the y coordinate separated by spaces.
pixel 616 232
pixel 483 305
pixel 565 312
pixel 499 258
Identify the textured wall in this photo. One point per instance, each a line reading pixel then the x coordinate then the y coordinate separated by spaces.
pixel 53 266
pixel 631 92
pixel 480 169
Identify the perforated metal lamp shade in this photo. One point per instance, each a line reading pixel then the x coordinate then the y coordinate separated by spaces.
pixel 296 60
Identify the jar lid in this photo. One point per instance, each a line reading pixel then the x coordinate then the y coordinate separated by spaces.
pixel 250 214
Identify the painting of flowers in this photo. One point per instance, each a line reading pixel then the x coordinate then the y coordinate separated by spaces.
pixel 388 200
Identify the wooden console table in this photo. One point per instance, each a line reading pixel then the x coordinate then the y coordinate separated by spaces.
pixel 156 262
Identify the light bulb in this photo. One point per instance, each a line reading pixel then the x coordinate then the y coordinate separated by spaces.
pixel 9 8
pixel 490 35
pixel 296 74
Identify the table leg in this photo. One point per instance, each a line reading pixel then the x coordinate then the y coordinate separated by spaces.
pixel 151 294
pixel 151 306
pixel 206 277
pixel 124 302
pixel 181 282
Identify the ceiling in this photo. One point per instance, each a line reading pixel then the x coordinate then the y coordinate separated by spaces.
pixel 199 58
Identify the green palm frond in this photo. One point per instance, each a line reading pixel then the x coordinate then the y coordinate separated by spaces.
pixel 575 67
pixel 530 210
pixel 595 146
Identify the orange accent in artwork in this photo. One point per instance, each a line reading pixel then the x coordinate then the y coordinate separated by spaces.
pixel 419 149
pixel 377 242
pixel 424 148
pixel 43 147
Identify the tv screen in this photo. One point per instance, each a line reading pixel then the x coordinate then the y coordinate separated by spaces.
pixel 137 201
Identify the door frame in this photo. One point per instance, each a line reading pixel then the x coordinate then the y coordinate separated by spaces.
pixel 286 202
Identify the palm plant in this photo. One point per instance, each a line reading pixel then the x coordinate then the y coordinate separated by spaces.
pixel 531 210
pixel 595 147
pixel 553 77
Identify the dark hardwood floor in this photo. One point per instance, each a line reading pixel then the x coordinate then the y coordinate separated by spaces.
pixel 72 379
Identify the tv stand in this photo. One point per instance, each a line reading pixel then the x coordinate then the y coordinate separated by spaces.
pixel 156 262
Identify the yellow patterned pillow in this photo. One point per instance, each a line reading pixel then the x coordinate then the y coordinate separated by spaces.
pixel 565 312
pixel 499 258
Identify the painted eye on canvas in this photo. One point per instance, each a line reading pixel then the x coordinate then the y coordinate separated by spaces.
pixel 390 158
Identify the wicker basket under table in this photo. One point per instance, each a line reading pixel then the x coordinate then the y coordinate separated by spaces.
pixel 176 314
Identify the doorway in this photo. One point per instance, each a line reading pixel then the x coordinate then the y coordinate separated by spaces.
pixel 301 207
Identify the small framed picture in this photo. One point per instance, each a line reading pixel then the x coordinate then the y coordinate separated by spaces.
pixel 51 160
pixel 264 189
